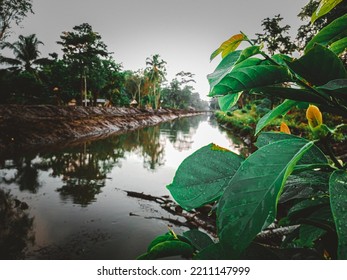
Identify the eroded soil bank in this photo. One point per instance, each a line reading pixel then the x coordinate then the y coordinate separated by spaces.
pixel 22 127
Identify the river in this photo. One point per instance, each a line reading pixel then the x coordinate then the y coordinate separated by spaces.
pixel 71 202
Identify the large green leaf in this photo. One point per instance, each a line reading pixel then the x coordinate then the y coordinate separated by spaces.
pixel 216 88
pixel 252 61
pixel 248 52
pixel 245 78
pixel 313 156
pixel 319 66
pixel 228 63
pixel 307 184
pixel 223 68
pixel 337 88
pixel 325 6
pixel 296 94
pixel 281 109
pixel 198 239
pixel 202 177
pixel 338 200
pixel 168 249
pixel 228 101
pixel 249 203
pixel 331 33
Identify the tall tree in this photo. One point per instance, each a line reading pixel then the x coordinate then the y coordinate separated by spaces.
pixel 83 48
pixel 155 72
pixel 26 51
pixel 275 36
pixel 12 11
pixel 108 80
pixel 134 82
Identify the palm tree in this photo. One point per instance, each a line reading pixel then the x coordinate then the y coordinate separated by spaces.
pixel 26 53
pixel 155 72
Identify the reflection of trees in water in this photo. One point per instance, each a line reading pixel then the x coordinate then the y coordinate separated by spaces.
pixel 16 228
pixel 182 130
pixel 26 174
pixel 153 151
pixel 84 168
pixel 82 193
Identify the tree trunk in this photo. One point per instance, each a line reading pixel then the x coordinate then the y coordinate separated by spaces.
pixel 84 90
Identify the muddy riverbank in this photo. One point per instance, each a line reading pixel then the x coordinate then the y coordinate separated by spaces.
pixel 25 127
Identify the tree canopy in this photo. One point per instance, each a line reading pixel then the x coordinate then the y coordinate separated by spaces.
pixel 26 51
pixel 83 48
pixel 12 11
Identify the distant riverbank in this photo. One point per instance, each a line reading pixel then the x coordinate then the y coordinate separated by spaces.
pixel 27 126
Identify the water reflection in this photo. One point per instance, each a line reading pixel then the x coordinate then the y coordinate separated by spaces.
pixel 26 175
pixel 180 133
pixel 16 227
pixel 83 169
pixel 94 177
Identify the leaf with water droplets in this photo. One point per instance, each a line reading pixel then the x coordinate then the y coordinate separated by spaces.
pixel 313 157
pixel 202 177
pixel 338 202
pixel 249 203
pixel 305 185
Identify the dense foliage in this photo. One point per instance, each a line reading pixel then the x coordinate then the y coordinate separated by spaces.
pixel 288 198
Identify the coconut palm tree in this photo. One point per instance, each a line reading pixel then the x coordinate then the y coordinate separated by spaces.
pixel 155 72
pixel 26 53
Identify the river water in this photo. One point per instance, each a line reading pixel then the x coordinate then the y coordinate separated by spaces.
pixel 74 201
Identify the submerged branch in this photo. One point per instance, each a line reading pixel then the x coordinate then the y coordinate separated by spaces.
pixel 193 220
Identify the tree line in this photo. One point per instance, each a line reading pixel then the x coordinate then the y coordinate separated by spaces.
pixel 85 73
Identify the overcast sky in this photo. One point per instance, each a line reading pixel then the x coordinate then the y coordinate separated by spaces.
pixel 183 32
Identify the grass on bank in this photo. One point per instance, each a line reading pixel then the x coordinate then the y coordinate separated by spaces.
pixel 243 121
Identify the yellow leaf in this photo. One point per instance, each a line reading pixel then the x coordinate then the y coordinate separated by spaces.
pixel 218 148
pixel 284 128
pixel 314 117
pixel 228 46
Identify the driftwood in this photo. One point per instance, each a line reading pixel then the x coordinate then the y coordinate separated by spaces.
pixel 200 218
